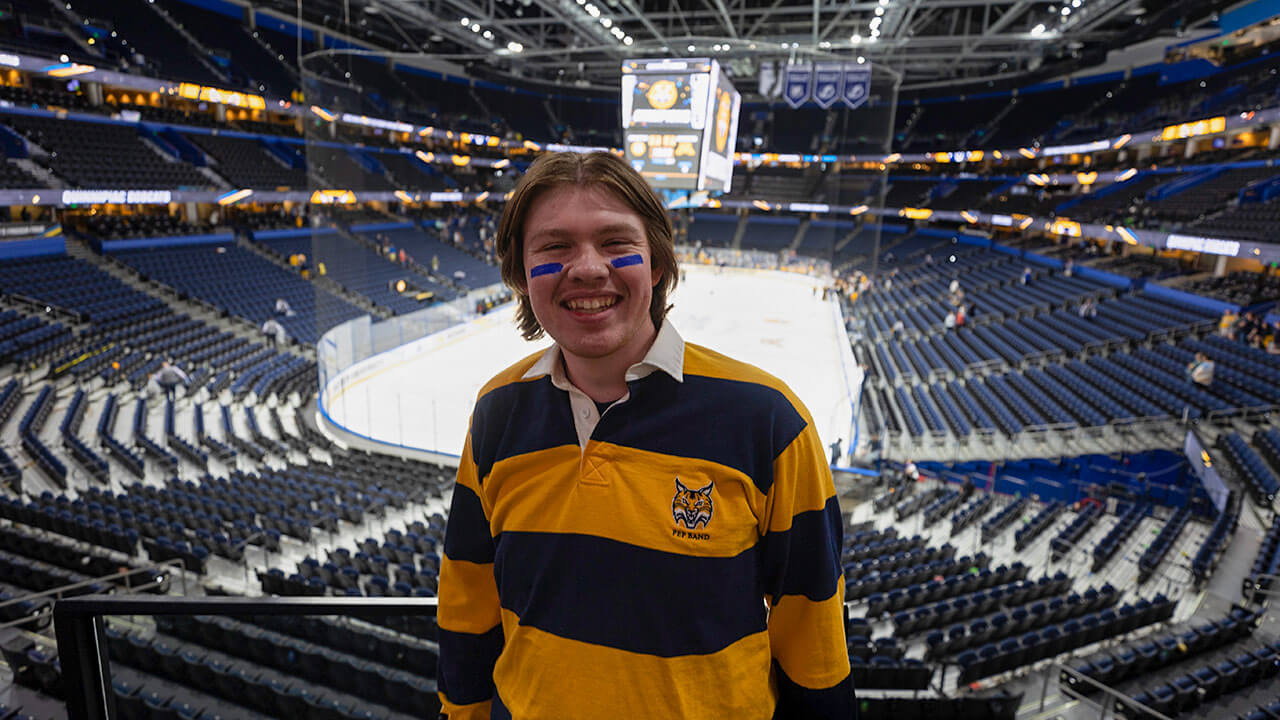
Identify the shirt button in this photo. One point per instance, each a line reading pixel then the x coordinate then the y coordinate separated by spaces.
pixel 586 413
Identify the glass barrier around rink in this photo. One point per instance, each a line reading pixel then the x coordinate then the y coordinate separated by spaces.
pixel 786 261
pixel 342 353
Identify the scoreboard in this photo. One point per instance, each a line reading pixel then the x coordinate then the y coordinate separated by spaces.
pixel 680 122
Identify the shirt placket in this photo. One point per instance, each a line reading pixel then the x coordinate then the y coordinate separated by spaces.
pixel 591 467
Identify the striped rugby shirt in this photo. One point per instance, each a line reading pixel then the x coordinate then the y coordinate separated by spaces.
pixel 675 557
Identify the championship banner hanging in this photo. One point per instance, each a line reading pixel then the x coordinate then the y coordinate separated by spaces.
pixel 799 85
pixel 857 84
pixel 828 82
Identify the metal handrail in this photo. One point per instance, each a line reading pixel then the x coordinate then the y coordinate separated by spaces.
pixel 57 593
pixel 80 630
pixel 1120 698
pixel 1253 590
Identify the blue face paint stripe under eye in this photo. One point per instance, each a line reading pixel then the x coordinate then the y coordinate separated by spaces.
pixel 545 269
pixel 628 261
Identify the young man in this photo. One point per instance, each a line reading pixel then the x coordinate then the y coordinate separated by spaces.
pixel 641 527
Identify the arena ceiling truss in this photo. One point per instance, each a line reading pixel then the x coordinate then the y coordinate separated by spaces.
pixel 930 42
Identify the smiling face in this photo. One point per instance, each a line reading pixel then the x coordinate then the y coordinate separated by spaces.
pixel 596 304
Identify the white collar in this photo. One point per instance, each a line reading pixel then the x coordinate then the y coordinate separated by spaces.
pixel 666 354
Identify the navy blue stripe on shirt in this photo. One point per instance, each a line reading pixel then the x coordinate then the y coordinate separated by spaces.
pixel 796 702
pixel 813 571
pixel 498 711
pixel 741 425
pixel 468 537
pixel 541 411
pixel 468 676
pixel 636 599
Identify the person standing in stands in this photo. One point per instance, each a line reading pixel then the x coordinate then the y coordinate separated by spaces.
pixel 274 332
pixel 621 545
pixel 910 470
pixel 1251 328
pixel 168 378
pixel 1227 324
pixel 1026 275
pixel 875 449
pixel 1201 370
pixel 284 308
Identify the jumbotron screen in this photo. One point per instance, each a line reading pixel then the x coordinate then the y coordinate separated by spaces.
pixel 680 122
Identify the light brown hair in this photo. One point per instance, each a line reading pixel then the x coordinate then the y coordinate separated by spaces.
pixel 602 170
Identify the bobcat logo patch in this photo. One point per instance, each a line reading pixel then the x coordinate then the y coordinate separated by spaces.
pixel 692 508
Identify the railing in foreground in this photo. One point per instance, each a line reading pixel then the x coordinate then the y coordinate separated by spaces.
pixel 82 642
pixel 1069 679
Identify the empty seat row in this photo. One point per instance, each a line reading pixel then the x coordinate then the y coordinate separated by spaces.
pixel 901 559
pixel 938 509
pixel 878 549
pixel 275 582
pixel 1266 564
pixel 46 516
pixel 1252 470
pixel 64 553
pixel 1150 654
pixel 1204 684
pixel 1015 621
pixel 938 587
pixel 917 502
pixel 372 682
pixel 1124 527
pixel 1013 653
pixel 894 494
pixel 1156 551
pixel 1219 537
pixel 971 513
pixel 880 583
pixel 1067 538
pixel 244 682
pixel 1003 519
pixel 979 602
pixel 116 449
pixel 356 638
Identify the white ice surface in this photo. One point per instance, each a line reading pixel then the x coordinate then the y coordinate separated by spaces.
pixel 772 320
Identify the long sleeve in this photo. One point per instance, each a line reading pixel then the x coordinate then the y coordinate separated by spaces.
pixel 805 586
pixel 471 637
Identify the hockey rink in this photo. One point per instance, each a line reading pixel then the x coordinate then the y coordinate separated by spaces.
pixel 774 320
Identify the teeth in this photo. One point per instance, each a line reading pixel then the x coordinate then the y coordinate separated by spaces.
pixel 591 304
